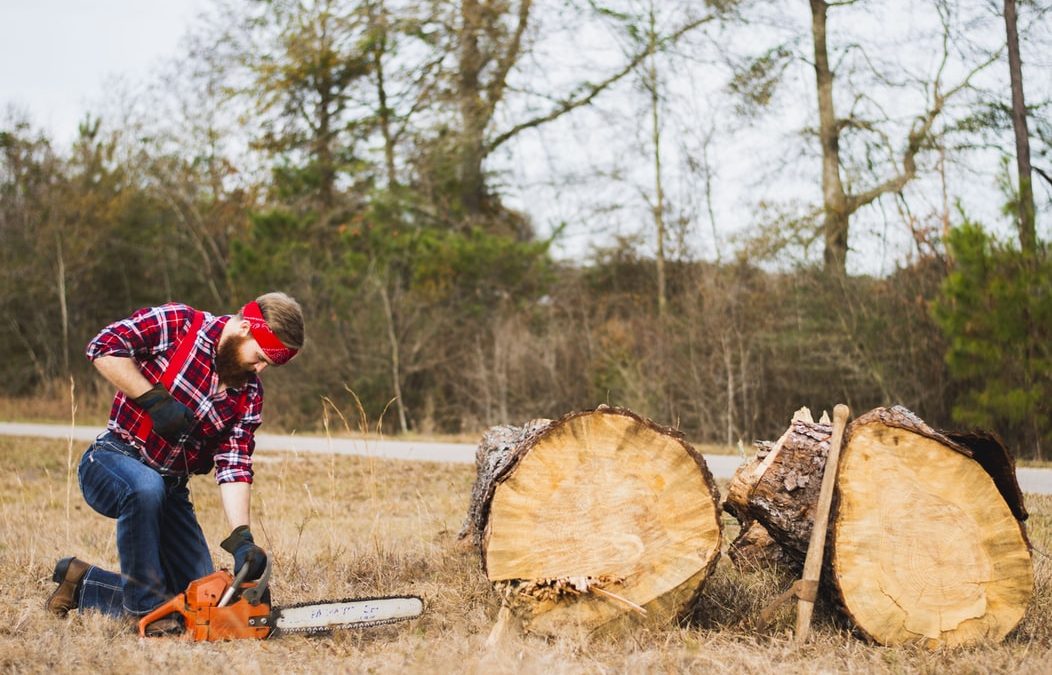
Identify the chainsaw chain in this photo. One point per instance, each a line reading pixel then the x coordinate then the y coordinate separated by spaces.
pixel 318 631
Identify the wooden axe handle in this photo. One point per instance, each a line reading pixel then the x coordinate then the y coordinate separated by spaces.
pixel 816 547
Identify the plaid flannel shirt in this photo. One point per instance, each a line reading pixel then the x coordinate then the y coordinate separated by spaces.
pixel 226 420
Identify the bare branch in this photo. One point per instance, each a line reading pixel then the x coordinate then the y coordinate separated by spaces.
pixel 1039 171
pixel 915 141
pixel 574 102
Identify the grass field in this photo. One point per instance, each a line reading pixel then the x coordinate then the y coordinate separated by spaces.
pixel 345 526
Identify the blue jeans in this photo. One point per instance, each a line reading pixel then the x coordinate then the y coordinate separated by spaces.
pixel 159 541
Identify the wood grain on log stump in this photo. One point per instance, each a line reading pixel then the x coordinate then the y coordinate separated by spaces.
pixel 925 547
pixel 591 521
pixel 926 541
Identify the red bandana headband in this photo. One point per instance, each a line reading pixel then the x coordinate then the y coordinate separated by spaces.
pixel 271 344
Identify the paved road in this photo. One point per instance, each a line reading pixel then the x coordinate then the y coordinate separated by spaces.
pixel 722 466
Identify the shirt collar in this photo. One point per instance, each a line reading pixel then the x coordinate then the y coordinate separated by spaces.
pixel 213 329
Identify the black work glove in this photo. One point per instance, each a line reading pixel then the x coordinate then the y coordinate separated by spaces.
pixel 171 419
pixel 240 545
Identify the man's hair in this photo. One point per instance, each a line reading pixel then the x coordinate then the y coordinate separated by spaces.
pixel 284 316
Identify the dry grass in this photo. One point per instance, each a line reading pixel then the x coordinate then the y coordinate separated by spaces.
pixel 344 526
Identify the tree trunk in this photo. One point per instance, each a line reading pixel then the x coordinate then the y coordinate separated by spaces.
pixel 926 540
pixel 728 365
pixel 323 152
pixel 378 23
pixel 473 118
pixel 395 358
pixel 582 522
pixel 1027 230
pixel 659 187
pixel 837 204
pixel 754 548
pixel 834 200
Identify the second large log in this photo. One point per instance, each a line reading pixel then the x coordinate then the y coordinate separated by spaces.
pixel 926 541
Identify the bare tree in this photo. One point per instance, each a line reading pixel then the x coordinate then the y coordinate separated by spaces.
pixel 489 40
pixel 838 202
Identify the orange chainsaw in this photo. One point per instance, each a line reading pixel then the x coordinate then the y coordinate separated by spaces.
pixel 222 607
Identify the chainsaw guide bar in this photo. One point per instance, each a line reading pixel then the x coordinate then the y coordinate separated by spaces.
pixel 313 618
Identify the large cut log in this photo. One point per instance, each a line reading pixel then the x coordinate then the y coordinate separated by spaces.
pixel 926 541
pixel 596 521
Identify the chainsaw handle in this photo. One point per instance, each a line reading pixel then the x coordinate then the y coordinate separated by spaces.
pixel 176 605
pixel 228 595
pixel 255 594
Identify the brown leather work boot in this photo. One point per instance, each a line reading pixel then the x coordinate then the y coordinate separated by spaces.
pixel 69 572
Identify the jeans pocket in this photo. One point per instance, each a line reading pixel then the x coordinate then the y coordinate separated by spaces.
pixel 80 467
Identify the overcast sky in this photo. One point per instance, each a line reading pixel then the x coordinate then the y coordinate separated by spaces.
pixel 60 58
pixel 57 55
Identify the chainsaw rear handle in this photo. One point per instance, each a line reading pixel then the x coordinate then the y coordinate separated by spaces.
pixel 176 605
pixel 192 604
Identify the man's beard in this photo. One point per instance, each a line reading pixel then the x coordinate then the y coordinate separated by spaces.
pixel 232 371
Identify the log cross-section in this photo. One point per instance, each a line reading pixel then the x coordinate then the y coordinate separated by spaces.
pixel 598 519
pixel 926 542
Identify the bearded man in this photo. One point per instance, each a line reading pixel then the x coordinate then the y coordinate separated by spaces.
pixel 188 398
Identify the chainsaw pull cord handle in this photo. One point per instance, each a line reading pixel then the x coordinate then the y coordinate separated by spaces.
pixel 254 594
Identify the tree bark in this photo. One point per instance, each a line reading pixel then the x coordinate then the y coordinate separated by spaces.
pixel 834 201
pixel 778 489
pixel 588 522
pixel 1027 229
pixel 926 540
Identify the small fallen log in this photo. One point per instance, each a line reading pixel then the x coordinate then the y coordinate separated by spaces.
pixel 926 541
pixel 597 521
pixel 774 494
